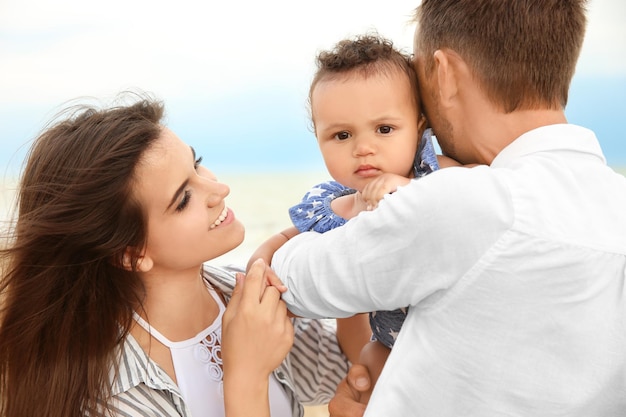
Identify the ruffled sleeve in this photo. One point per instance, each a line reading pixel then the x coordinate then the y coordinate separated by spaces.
pixel 426 157
pixel 313 213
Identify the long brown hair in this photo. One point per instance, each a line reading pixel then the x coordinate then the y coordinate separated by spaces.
pixel 66 303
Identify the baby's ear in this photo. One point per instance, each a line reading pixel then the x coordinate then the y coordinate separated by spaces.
pixel 422 125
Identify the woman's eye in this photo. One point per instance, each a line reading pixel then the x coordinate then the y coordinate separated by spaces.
pixel 385 130
pixel 342 135
pixel 197 162
pixel 185 200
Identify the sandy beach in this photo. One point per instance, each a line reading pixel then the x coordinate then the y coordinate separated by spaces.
pixel 259 201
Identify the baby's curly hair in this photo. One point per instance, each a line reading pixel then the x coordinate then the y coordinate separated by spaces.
pixel 363 56
pixel 354 53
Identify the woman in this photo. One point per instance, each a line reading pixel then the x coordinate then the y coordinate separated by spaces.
pixel 107 305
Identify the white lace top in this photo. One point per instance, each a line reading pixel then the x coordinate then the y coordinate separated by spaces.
pixel 198 367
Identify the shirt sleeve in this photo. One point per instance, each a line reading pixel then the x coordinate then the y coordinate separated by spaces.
pixel 426 157
pixel 419 241
pixel 314 213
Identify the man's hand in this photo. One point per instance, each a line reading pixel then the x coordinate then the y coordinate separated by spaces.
pixel 346 402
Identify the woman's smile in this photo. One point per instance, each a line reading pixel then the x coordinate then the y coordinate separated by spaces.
pixel 225 217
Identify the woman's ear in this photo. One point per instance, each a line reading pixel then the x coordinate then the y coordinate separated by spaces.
pixel 144 262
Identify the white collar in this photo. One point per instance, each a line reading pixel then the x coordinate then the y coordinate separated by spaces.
pixel 556 137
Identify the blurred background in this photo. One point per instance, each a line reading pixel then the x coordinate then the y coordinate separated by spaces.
pixel 235 75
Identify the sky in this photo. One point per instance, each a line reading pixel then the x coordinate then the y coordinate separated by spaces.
pixel 234 75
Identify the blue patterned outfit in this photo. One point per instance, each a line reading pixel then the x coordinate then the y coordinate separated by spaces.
pixel 314 213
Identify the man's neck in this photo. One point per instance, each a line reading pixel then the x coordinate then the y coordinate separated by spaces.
pixel 502 129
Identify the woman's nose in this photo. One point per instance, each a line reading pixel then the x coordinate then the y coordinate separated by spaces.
pixel 216 192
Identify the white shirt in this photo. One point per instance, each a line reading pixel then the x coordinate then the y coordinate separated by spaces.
pixel 515 278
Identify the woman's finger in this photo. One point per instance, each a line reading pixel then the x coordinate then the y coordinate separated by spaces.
pixel 273 280
pixel 270 298
pixel 235 298
pixel 256 280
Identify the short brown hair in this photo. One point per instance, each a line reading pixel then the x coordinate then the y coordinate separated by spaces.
pixel 523 52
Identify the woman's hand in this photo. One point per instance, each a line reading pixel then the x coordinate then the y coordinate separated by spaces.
pixel 256 337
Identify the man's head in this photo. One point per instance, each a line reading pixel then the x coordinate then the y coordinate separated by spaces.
pixel 520 55
pixel 522 52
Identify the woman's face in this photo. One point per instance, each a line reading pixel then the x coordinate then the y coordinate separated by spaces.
pixel 187 219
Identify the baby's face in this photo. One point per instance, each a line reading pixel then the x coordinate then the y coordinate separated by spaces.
pixel 366 126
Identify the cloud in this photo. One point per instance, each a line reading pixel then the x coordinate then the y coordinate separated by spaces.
pixel 216 62
pixel 54 51
pixel 604 53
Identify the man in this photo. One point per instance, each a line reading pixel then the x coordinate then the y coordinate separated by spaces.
pixel 514 270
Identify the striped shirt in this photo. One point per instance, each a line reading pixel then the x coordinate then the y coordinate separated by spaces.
pixel 309 374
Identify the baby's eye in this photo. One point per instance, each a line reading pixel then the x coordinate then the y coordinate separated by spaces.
pixel 385 130
pixel 342 135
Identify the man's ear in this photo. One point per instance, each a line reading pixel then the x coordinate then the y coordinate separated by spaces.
pixel 144 262
pixel 447 77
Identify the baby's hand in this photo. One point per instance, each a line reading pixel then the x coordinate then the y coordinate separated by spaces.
pixel 376 189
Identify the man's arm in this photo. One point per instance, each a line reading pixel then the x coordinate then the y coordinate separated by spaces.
pixel 420 240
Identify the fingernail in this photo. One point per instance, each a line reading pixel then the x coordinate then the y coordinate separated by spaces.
pixel 361 382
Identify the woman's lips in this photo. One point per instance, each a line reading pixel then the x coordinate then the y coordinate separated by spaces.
pixel 225 217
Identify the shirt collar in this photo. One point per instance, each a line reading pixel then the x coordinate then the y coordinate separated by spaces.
pixel 551 138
